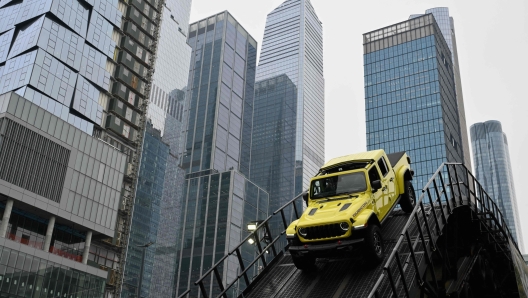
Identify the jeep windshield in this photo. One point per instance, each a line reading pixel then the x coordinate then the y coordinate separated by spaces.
pixel 338 185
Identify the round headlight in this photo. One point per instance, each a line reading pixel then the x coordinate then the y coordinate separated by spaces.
pixel 303 232
pixel 344 226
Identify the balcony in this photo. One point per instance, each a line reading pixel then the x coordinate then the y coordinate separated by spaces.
pixel 25 240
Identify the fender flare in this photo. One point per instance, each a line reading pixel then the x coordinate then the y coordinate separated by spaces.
pixel 365 216
pixel 404 174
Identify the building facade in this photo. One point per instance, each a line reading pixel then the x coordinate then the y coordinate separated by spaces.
pixel 219 200
pixel 84 70
pixel 273 138
pixel 410 96
pixel 446 23
pixel 158 207
pixel 293 46
pixel 491 157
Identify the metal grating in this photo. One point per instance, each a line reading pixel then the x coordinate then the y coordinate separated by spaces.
pixel 344 277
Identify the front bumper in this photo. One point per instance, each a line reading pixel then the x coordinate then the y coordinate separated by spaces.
pixel 324 249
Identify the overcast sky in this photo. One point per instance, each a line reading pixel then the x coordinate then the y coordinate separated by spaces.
pixel 492 41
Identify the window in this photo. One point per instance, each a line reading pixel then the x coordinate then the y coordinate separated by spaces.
pixel 373 174
pixel 383 166
pixel 336 185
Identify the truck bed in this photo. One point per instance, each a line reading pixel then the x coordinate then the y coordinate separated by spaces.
pixel 395 157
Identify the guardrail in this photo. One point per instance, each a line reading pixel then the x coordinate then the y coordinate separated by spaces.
pixel 25 241
pixel 262 228
pixel 438 199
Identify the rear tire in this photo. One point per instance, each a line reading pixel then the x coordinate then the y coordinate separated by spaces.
pixel 304 263
pixel 408 199
pixel 374 245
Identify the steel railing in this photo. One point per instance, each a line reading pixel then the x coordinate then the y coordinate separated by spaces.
pixel 262 251
pixel 452 186
pixel 412 254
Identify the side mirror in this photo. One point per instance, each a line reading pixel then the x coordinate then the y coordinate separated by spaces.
pixel 375 185
pixel 305 197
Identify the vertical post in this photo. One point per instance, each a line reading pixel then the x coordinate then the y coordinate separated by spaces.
pixel 141 272
pixel 87 244
pixel 6 217
pixel 49 233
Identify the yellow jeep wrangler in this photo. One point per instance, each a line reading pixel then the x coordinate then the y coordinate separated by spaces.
pixel 348 201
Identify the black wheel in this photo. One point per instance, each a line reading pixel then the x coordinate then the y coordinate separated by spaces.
pixel 408 199
pixel 304 263
pixel 374 244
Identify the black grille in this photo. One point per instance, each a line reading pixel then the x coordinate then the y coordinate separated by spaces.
pixel 325 231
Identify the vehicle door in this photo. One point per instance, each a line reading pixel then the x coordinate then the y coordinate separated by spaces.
pixel 388 185
pixel 377 197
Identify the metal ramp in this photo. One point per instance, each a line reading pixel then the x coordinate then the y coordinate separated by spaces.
pixel 454 244
pixel 333 278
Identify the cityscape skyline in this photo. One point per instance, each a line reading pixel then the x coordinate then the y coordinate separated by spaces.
pixel 205 150
pixel 478 54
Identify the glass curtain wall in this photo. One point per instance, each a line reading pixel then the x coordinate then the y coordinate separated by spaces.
pixel 446 23
pixel 410 95
pixel 160 188
pixel 491 158
pixel 217 150
pixel 293 46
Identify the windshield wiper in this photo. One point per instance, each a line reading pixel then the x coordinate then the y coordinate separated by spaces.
pixel 342 198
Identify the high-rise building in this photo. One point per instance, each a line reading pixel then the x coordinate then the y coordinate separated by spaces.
pixel 158 201
pixel 219 200
pixel 293 47
pixel 410 96
pixel 78 78
pixel 491 157
pixel 273 139
pixel 446 23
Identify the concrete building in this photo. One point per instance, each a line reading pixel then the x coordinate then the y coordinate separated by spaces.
pixel 410 95
pixel 75 77
pixel 491 157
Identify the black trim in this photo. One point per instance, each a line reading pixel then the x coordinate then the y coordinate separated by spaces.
pixel 395 157
pixel 326 248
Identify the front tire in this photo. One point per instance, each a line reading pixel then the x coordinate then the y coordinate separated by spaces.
pixel 408 199
pixel 374 248
pixel 304 263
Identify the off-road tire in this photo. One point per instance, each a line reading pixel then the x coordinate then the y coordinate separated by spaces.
pixel 374 248
pixel 408 199
pixel 304 263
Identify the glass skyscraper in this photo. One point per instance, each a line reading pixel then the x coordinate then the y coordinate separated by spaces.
pixel 410 96
pixel 219 200
pixel 446 24
pixel 273 139
pixel 158 207
pixel 491 156
pixel 293 47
